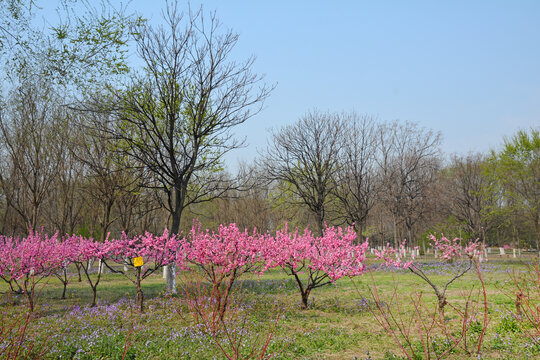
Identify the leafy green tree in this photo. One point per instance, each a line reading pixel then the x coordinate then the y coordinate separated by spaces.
pixel 472 196
pixel 516 167
pixel 86 43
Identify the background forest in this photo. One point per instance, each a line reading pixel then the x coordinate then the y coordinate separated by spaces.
pixel 92 144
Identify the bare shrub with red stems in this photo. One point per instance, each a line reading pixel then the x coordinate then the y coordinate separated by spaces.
pixel 523 289
pixel 418 328
pixel 235 332
pixel 15 323
pixel 222 257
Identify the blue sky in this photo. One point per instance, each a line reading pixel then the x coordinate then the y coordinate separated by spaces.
pixel 469 69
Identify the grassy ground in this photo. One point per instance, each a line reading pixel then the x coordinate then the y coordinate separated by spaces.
pixel 339 324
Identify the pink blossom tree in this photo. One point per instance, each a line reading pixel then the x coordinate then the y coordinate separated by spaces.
pixel 156 251
pixel 8 255
pixel 323 259
pixel 68 252
pixel 222 257
pixel 30 260
pixel 84 251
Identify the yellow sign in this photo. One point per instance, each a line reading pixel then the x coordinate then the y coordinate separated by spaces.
pixel 138 261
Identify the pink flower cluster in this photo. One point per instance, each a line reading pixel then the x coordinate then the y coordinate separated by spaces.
pixel 41 255
pixel 395 257
pixel 226 250
pixel 35 255
pixel 160 250
pixel 451 249
pixel 84 249
pixel 334 253
pixel 230 249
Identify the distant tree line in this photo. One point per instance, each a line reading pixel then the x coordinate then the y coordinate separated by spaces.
pixel 91 146
pixel 392 181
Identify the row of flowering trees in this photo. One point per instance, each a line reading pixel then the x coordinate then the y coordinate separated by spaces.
pixel 222 256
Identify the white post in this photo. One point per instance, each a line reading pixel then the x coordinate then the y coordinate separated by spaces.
pixel 165 271
pixel 501 251
pixel 171 278
pixel 514 252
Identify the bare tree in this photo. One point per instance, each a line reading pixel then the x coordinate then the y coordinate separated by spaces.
pixel 108 178
pixel 176 117
pixel 249 207
pixel 31 128
pixel 471 196
pixel 306 156
pixel 44 66
pixel 357 185
pixel 135 204
pixel 408 161
pixel 65 204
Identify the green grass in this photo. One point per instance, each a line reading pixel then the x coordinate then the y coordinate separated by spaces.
pixel 338 325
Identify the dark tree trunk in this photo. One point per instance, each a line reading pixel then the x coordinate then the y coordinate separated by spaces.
pixel 93 285
pixel 305 299
pixel 64 290
pixel 442 304
pixel 106 219
pixel 304 293
pixel 78 272
pixel 320 221
pixel 30 298
pixel 224 300
pixel 29 293
pixel 140 295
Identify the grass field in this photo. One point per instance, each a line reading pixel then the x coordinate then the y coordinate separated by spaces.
pixel 339 324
